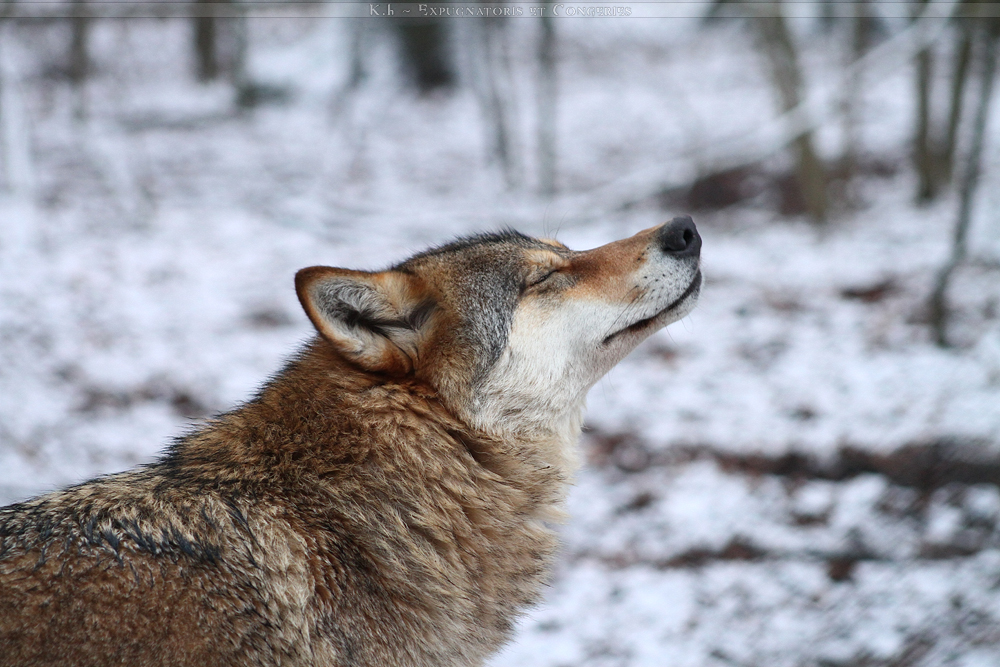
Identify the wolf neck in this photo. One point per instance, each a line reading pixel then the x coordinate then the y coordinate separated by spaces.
pixel 552 435
pixel 319 396
pixel 415 487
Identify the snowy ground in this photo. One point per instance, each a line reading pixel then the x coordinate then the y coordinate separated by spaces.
pixel 794 475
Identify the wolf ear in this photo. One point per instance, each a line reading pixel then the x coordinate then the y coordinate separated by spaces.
pixel 375 320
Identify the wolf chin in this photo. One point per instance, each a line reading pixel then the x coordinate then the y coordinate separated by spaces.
pixel 383 501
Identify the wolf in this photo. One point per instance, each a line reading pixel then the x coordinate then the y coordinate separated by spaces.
pixel 385 500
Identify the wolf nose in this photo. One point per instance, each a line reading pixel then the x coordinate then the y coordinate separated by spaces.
pixel 679 237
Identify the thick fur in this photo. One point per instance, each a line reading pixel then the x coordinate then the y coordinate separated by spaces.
pixel 383 501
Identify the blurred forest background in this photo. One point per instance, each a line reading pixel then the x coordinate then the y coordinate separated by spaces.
pixel 805 472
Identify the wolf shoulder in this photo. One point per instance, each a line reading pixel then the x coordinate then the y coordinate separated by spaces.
pixel 176 573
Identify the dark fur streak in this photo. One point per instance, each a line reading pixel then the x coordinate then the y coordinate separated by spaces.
pixel 212 553
pixel 88 531
pixel 419 315
pixel 114 542
pixel 45 531
pixel 382 326
pixel 42 557
pixel 108 535
pixel 240 519
pixel 182 543
pixel 142 541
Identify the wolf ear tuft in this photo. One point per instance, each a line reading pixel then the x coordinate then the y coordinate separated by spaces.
pixel 375 320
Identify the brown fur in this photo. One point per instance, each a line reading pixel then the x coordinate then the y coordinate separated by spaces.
pixel 378 504
pixel 276 537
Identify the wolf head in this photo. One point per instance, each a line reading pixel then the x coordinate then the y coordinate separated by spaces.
pixel 509 330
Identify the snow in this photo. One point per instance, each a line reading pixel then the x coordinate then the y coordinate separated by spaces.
pixel 145 281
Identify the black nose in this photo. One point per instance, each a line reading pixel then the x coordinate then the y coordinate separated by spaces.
pixel 679 237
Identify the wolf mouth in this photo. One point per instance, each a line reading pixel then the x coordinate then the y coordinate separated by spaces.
pixel 643 323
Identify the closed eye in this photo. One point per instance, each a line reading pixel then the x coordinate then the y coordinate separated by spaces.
pixel 541 278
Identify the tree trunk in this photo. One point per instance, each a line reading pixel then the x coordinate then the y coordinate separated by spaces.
pixel 923 153
pixel 424 49
pixel 361 35
pixel 934 139
pixel 547 93
pixel 776 41
pixel 205 40
pixel 938 305
pixel 500 96
pixel 79 65
pixel 860 36
pixel 960 71
pixel 491 80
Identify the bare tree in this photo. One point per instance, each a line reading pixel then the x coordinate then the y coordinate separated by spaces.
pixel 959 76
pixel 776 42
pixel 938 305
pixel 923 154
pixel 425 54
pixel 78 58
pixel 934 139
pixel 206 40
pixel 78 65
pixel 547 98
pixel 862 25
pixel 221 42
pixel 491 79
pixel 361 32
pixel 249 93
